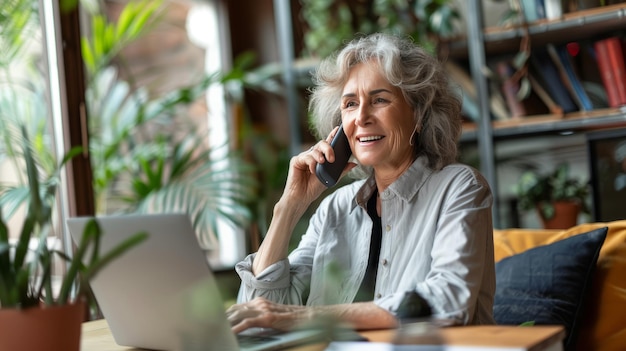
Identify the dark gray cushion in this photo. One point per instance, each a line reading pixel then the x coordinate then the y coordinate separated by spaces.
pixel 548 284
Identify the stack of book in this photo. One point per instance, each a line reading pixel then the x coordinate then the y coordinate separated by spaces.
pixel 557 81
pixel 610 57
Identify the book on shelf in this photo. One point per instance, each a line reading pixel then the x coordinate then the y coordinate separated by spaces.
pixel 539 9
pixel 561 59
pixel 466 90
pixel 610 58
pixel 470 95
pixel 548 76
pixel 531 12
pixel 553 9
pixel 499 111
pixel 580 5
pixel 469 108
pixel 510 89
pixel 498 103
pixel 545 97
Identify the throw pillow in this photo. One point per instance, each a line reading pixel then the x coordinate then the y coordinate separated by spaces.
pixel 548 284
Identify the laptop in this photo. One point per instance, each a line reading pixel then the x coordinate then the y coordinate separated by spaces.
pixel 162 295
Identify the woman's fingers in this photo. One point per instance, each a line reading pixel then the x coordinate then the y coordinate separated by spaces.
pixel 261 313
pixel 302 181
pixel 330 153
pixel 258 321
pixel 330 136
pixel 318 153
pixel 323 151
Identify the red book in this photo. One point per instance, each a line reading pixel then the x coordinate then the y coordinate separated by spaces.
pixel 610 57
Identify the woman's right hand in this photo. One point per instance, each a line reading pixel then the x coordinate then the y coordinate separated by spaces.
pixel 262 313
pixel 301 189
pixel 302 182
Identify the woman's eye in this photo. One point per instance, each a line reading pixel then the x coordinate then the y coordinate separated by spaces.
pixel 350 104
pixel 379 100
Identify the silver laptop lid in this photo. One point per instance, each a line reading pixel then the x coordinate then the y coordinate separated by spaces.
pixel 152 295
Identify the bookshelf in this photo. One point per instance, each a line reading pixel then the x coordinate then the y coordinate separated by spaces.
pixel 520 128
pixel 482 44
pixel 506 39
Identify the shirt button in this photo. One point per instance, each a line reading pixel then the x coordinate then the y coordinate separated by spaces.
pixel 385 262
pixel 388 228
pixel 378 296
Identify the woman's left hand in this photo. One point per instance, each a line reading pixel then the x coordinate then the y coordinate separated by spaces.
pixel 263 313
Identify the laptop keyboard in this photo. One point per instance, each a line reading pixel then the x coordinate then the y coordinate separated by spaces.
pixel 249 340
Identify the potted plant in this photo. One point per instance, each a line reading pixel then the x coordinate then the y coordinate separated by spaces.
pixel 557 197
pixel 51 319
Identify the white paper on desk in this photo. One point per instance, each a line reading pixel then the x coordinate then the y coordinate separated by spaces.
pixel 379 346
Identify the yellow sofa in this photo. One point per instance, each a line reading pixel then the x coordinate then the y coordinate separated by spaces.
pixel 603 326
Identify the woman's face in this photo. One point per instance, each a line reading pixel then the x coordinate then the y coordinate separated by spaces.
pixel 377 120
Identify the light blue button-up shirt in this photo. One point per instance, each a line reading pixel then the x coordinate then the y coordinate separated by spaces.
pixel 437 240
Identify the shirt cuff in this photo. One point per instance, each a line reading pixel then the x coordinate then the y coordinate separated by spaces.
pixel 390 303
pixel 275 276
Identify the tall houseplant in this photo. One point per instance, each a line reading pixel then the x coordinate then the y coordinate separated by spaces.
pixel 27 294
pixel 548 193
pixel 139 162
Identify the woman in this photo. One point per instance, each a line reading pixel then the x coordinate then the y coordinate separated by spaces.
pixel 432 216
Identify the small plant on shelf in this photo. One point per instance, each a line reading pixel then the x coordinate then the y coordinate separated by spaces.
pixel 540 192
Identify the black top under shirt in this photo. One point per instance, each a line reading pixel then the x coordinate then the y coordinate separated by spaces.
pixel 366 290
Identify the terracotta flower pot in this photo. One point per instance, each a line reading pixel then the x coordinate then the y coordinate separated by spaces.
pixel 54 328
pixel 565 215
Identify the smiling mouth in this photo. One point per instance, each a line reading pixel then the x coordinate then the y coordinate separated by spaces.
pixel 370 138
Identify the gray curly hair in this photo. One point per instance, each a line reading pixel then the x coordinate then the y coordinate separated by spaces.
pixel 419 75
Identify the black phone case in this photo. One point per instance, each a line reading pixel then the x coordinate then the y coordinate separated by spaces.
pixel 329 173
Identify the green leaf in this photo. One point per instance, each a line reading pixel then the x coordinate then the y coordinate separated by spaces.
pixel 42 263
pixel 141 18
pixel 22 245
pixel 20 296
pixel 6 272
pixel 98 28
pixel 90 233
pixel 109 40
pixel 88 55
pixel 124 20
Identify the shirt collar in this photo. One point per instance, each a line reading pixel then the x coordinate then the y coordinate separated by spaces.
pixel 406 187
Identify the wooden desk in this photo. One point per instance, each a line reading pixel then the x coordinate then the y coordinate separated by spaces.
pixel 96 336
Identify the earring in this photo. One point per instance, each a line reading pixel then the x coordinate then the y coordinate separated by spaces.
pixel 413 135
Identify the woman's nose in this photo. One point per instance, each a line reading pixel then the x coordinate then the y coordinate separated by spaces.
pixel 363 115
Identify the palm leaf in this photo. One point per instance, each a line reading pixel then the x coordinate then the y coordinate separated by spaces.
pixel 17 19
pixel 109 38
pixel 6 269
pixel 211 195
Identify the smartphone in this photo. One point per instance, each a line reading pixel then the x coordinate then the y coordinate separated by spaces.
pixel 329 173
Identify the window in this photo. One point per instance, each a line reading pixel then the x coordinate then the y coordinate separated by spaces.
pixel 33 95
pixel 45 86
